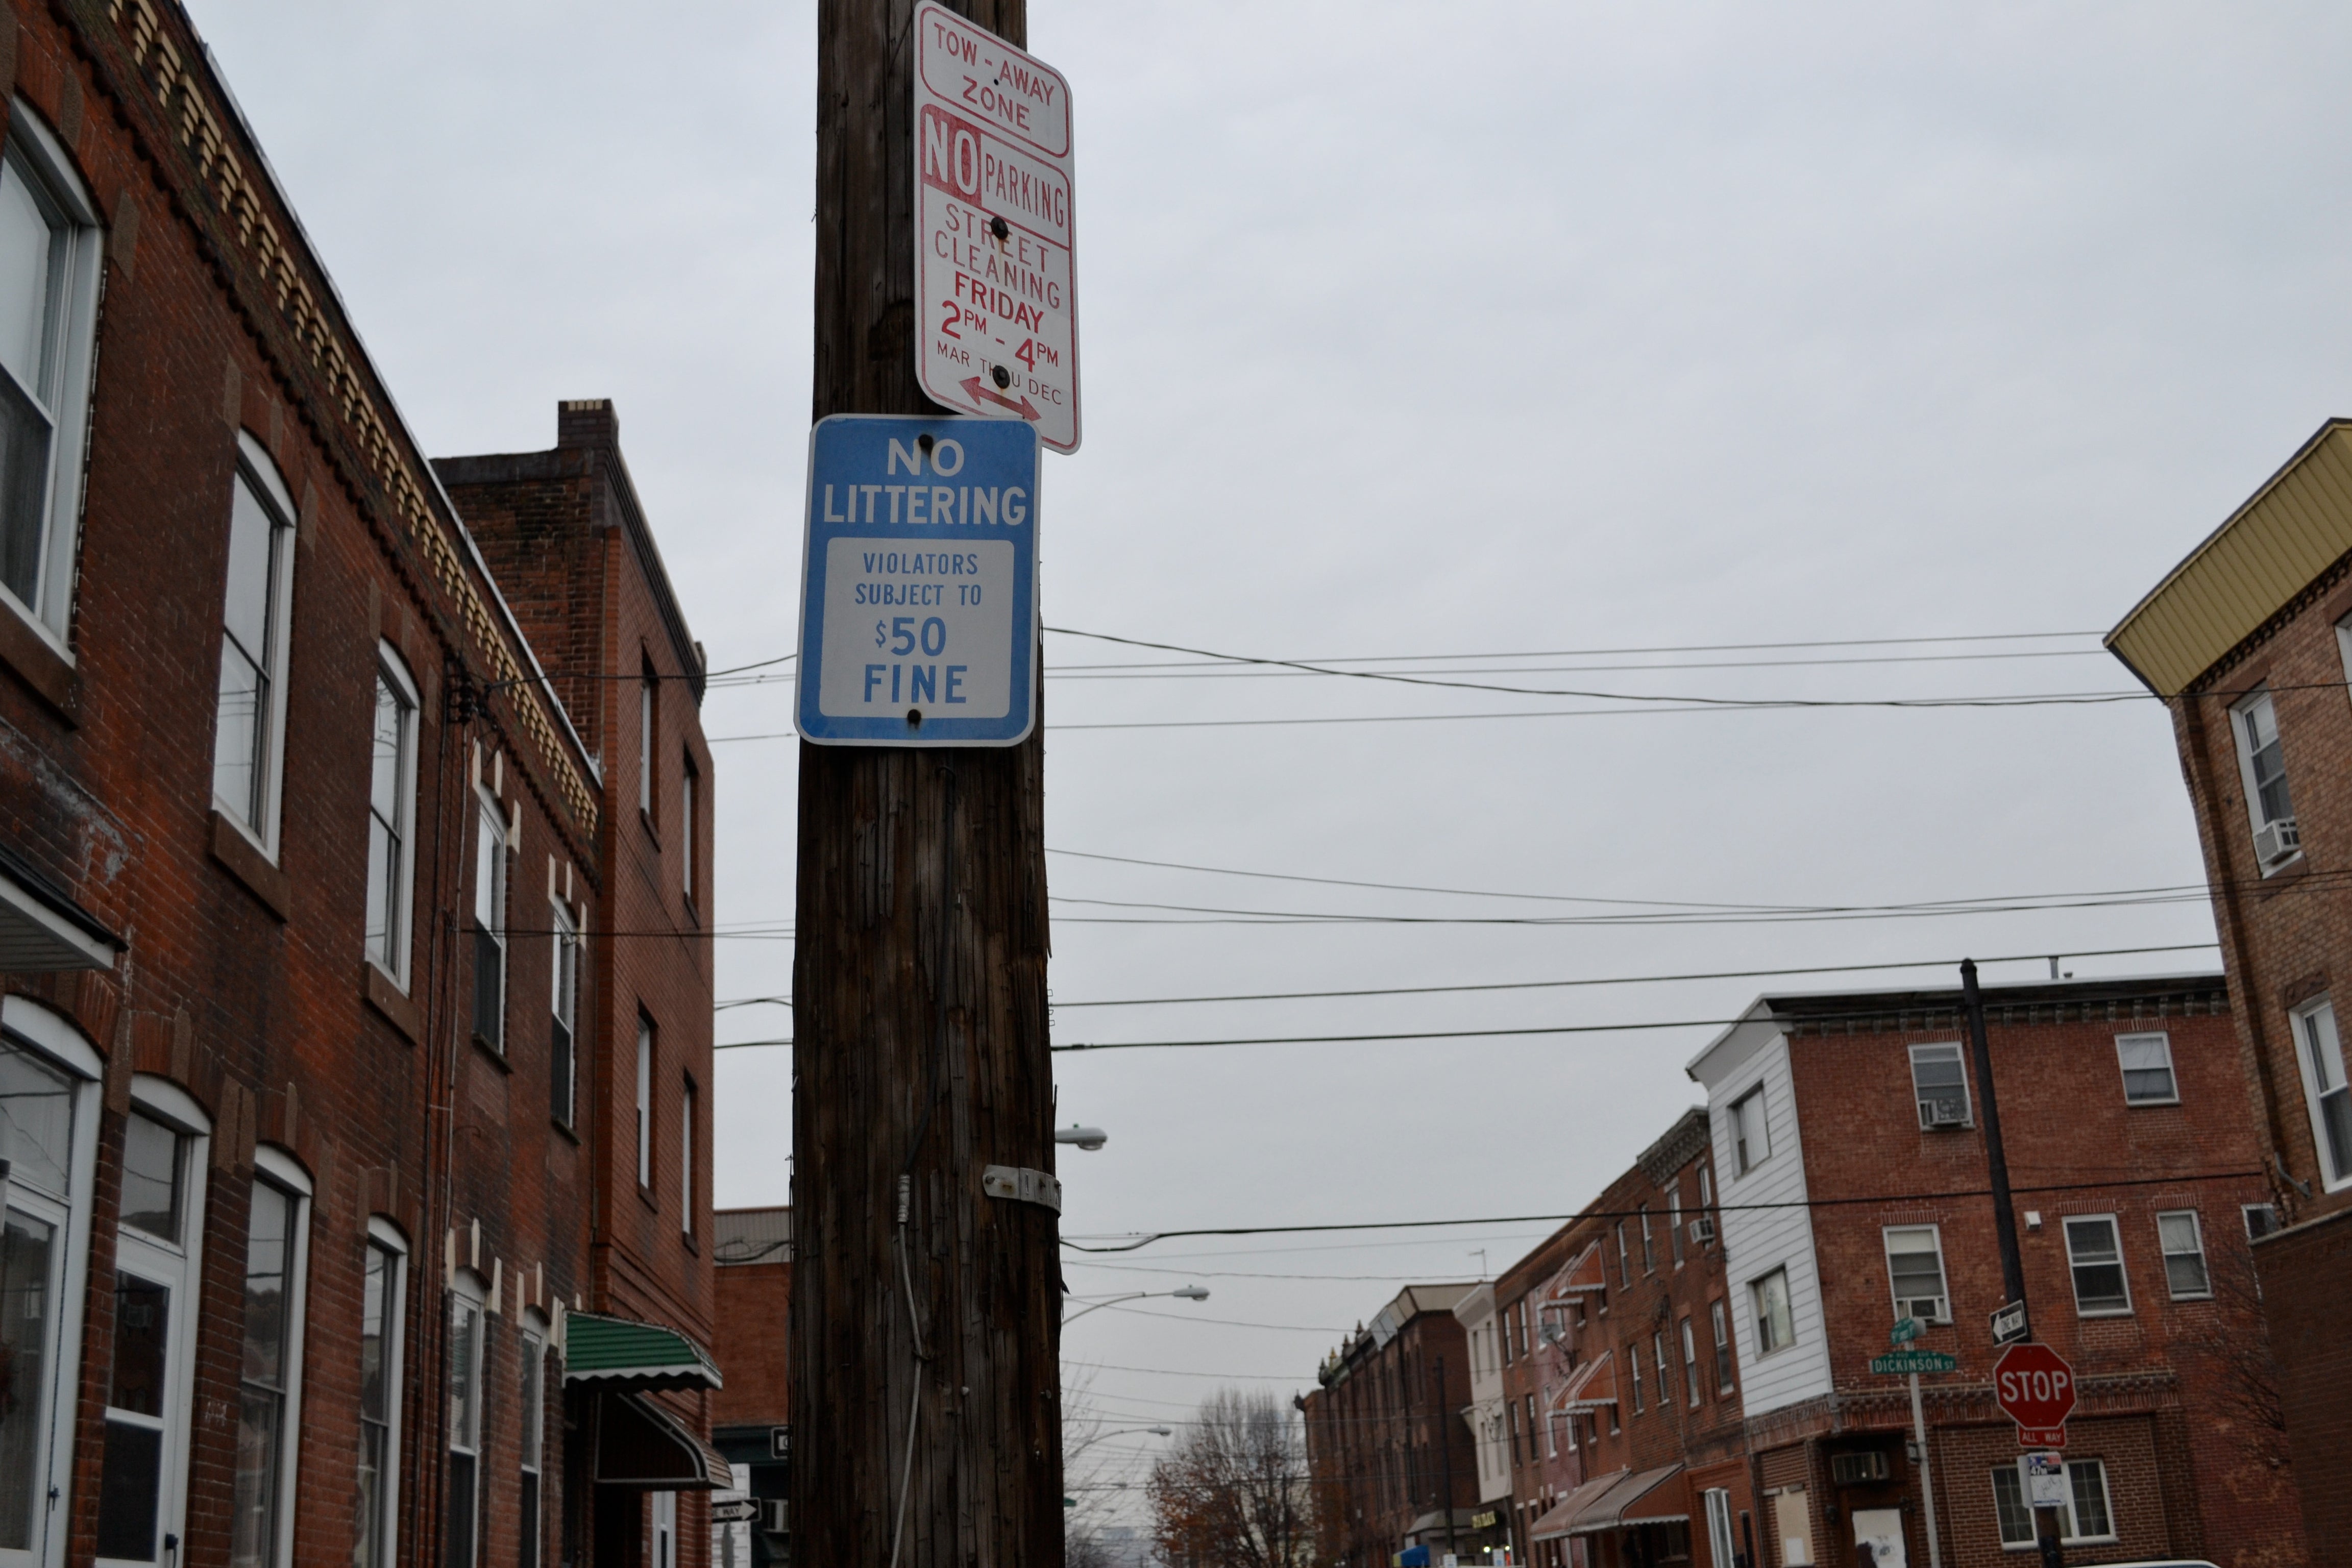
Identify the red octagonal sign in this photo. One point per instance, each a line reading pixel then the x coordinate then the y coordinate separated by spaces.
pixel 2034 1386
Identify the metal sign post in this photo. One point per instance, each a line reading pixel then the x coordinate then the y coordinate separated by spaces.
pixel 996 286
pixel 1911 1364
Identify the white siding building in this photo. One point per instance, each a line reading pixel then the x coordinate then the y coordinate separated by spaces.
pixel 1475 1312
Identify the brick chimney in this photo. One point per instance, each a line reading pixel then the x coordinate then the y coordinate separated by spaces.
pixel 587 422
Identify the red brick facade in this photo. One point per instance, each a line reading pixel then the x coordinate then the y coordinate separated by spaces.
pixel 235 1000
pixel 1388 1452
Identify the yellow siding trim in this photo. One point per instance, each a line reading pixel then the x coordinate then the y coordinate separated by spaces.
pixel 2271 549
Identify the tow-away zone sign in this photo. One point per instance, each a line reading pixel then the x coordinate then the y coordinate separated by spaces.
pixel 996 282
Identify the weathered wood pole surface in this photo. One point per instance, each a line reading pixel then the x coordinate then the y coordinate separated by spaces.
pixel 919 999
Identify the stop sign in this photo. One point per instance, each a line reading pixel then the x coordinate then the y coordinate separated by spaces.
pixel 2034 1386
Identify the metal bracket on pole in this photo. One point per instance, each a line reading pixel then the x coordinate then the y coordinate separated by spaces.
pixel 1021 1184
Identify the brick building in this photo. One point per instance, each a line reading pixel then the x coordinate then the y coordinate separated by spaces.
pixel 1388 1452
pixel 1542 1470
pixel 752 1417
pixel 2248 641
pixel 320 971
pixel 1641 1386
pixel 1854 1190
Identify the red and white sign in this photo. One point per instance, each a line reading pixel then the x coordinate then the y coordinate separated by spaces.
pixel 2036 1388
pixel 996 287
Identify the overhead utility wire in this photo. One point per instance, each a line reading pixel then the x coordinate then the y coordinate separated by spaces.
pixel 1198 670
pixel 1667 920
pixel 2075 698
pixel 1134 1239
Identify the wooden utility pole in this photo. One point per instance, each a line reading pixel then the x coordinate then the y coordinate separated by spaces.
pixel 925 1336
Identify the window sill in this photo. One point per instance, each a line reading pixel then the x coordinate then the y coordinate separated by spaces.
pixel 492 1051
pixel 2151 1104
pixel 2282 876
pixel 235 852
pixel 645 820
pixel 645 1196
pixel 565 1127
pixel 2104 1312
pixel 52 676
pixel 384 995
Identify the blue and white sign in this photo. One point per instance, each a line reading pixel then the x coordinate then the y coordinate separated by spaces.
pixel 918 583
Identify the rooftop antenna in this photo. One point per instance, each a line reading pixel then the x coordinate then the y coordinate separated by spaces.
pixel 1480 1254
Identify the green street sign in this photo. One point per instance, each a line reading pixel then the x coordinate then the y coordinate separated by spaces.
pixel 1906 1330
pixel 1896 1363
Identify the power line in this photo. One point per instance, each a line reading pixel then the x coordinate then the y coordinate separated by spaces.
pixel 1669 647
pixel 1561 984
pixel 1210 669
pixel 2050 699
pixel 1209 914
pixel 1136 1239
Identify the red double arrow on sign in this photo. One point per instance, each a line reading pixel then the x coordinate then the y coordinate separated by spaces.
pixel 981 394
pixel 2036 1388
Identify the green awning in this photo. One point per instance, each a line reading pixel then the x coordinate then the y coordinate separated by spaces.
pixel 618 1352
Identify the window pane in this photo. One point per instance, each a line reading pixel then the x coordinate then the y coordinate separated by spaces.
pixel 2148 1066
pixel 459 1548
pixel 36 1121
pixel 1913 1265
pixel 26 1310
pixel 2009 1504
pixel 24 491
pixel 2098 1267
pixel 2184 1254
pixel 269 1255
pixel 151 1178
pixel 375 1454
pixel 252 1527
pixel 129 1491
pixel 375 1323
pixel 2087 1479
pixel 465 1375
pixel 142 1314
pixel 29 256
pixel 252 545
pixel 236 750
pixel 384 765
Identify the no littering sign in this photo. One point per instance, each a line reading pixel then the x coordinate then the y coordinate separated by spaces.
pixel 996 290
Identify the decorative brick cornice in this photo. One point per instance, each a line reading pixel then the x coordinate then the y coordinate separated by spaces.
pixel 180 97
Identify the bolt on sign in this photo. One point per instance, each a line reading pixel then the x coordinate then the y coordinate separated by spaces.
pixel 918 583
pixel 996 285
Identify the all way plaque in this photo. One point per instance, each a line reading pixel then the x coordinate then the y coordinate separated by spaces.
pixel 996 286
pixel 918 583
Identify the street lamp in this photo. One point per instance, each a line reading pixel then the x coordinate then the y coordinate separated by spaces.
pixel 1155 1431
pixel 1182 1293
pixel 1087 1138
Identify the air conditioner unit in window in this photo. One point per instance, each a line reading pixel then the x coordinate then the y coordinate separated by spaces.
pixel 1942 1113
pixel 1702 1230
pixel 1857 1469
pixel 2274 841
pixel 775 1516
pixel 1926 1309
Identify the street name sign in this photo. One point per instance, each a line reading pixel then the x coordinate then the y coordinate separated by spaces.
pixel 1904 1330
pixel 1896 1363
pixel 996 283
pixel 2008 1324
pixel 2036 1388
pixel 918 583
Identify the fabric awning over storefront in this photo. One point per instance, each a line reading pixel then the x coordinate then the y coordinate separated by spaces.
pixel 1556 1520
pixel 1590 1387
pixel 1643 1498
pixel 639 1444
pixel 621 1353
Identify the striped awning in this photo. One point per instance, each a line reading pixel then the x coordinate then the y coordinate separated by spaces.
pixel 619 1353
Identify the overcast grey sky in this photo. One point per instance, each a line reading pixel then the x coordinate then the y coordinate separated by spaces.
pixel 1478 330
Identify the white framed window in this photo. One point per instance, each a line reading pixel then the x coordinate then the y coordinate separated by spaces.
pixel 269 1411
pixel 2262 1219
pixel 1690 1361
pixel 685 1158
pixel 391 817
pixel 1752 1139
pixel 1721 1320
pixel 530 1437
pixel 1675 1220
pixel 2321 1055
pixel 1915 1271
pixel 490 922
pixel 249 739
pixel 1775 1328
pixel 2181 1236
pixel 2262 769
pixel 468 1351
pixel 382 1313
pixel 1649 1252
pixel 644 1103
pixel 563 1049
pixel 1664 1368
pixel 49 255
pixel 2094 1257
pixel 664 1512
pixel 157 1287
pixel 1721 1550
pixel 1634 1367
pixel 2085 1518
pixel 2147 1063
pixel 48 1133
pixel 1624 1259
pixel 1939 1083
